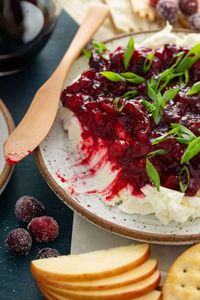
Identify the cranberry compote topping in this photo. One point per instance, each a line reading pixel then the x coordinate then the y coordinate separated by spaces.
pixel 127 132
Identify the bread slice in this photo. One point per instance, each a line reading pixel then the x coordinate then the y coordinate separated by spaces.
pixel 154 295
pixel 134 275
pixel 125 292
pixel 93 265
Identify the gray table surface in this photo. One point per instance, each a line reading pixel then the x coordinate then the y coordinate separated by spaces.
pixel 17 91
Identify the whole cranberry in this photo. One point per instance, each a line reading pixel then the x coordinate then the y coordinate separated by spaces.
pixel 47 252
pixel 168 10
pixel 27 208
pixel 19 241
pixel 43 229
pixel 188 7
pixel 194 21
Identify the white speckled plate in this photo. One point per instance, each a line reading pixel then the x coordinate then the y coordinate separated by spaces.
pixel 51 157
pixel 6 127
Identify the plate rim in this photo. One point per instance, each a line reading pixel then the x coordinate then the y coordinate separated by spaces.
pixel 4 176
pixel 156 238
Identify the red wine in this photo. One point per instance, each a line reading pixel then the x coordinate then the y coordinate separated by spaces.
pixel 25 26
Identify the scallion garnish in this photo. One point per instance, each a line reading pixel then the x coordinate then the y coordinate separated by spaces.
pixel 189 59
pixel 184 179
pixel 148 62
pixel 157 152
pixel 153 174
pixel 101 49
pixel 118 104
pixel 195 89
pixel 192 150
pixel 170 94
pixel 130 94
pixel 182 134
pixel 128 76
pixel 159 100
pixel 112 76
pixel 132 77
pixel 128 52
pixel 87 53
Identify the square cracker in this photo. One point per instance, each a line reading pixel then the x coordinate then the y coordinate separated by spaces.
pixel 125 19
pixel 144 9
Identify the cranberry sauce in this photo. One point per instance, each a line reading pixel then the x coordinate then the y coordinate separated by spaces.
pixel 128 133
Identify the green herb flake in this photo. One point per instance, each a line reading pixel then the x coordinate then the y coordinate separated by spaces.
pixel 159 100
pixel 184 174
pixel 112 76
pixel 170 94
pixel 192 150
pixel 87 53
pixel 166 76
pixel 130 94
pixel 99 47
pixel 148 62
pixel 190 58
pixel 151 92
pixel 187 76
pixel 132 77
pixel 195 89
pixel 128 52
pixel 149 106
pixel 118 104
pixel 153 174
pixel 157 152
pixel 182 134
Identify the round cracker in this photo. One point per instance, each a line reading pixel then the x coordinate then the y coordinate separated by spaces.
pixel 183 279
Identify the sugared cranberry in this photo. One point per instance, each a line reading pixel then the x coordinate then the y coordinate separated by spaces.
pixel 27 208
pixel 19 241
pixel 47 252
pixel 189 7
pixel 168 10
pixel 43 229
pixel 194 21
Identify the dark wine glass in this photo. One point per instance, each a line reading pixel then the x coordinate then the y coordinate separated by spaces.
pixel 25 27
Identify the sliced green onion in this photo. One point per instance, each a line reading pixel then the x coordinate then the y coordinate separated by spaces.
pixel 184 185
pixel 153 174
pixel 128 52
pixel 118 104
pixel 157 152
pixel 170 94
pixel 195 89
pixel 148 62
pixel 112 76
pixel 132 77
pixel 192 150
pixel 130 94
pixel 87 53
pixel 190 58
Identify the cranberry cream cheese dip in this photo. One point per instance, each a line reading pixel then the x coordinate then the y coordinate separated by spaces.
pixel 133 118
